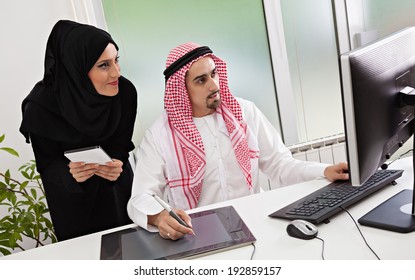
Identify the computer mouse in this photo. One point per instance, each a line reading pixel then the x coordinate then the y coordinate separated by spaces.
pixel 302 229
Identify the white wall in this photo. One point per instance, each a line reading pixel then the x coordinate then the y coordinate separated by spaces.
pixel 24 29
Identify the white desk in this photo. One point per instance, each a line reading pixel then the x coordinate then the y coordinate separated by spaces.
pixel 342 239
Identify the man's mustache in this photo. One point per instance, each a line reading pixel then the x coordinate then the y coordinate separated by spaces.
pixel 213 93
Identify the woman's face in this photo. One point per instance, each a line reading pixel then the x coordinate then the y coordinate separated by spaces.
pixel 105 72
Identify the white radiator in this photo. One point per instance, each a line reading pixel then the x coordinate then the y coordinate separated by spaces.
pixel 329 150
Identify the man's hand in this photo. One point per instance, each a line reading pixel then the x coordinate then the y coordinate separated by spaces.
pixel 337 172
pixel 168 227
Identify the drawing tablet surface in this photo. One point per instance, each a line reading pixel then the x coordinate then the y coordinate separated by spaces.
pixel 215 229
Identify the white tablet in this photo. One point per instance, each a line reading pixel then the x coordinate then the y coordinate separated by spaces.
pixel 93 154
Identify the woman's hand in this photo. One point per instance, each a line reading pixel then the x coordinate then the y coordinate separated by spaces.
pixel 111 170
pixel 168 227
pixel 82 171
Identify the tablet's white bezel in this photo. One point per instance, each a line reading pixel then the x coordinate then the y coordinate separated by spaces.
pixel 88 155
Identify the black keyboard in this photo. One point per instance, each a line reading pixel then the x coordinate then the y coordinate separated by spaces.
pixel 324 203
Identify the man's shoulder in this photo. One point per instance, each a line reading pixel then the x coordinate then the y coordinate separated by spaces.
pixel 245 104
pixel 160 122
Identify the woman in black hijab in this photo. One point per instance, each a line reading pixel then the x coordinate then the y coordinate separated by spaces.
pixel 82 101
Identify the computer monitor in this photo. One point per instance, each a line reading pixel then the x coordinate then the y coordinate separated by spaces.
pixel 378 82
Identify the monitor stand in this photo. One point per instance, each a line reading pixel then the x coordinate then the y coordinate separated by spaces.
pixel 396 213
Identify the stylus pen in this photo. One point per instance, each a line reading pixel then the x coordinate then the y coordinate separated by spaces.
pixel 170 211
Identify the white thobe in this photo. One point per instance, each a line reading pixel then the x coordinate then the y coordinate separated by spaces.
pixel 223 177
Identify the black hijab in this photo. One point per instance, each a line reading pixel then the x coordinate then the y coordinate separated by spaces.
pixel 65 106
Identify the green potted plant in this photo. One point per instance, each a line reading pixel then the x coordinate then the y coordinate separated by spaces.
pixel 26 212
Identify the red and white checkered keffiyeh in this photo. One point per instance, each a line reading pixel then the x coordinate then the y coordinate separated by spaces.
pixel 188 146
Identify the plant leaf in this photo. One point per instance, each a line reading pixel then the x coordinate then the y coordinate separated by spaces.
pixel 25 212
pixel 10 151
pixel 26 175
pixel 23 185
pixel 7 177
pixel 5 252
pixel 34 193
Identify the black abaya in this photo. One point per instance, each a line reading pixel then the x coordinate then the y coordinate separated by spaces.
pixel 64 112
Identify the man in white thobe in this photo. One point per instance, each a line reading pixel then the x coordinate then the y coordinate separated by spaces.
pixel 208 146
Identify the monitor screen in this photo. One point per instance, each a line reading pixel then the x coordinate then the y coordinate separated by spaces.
pixel 377 120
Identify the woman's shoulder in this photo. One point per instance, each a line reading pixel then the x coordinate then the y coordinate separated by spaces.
pixel 127 86
pixel 128 93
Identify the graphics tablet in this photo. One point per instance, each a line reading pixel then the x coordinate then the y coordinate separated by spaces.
pixel 215 229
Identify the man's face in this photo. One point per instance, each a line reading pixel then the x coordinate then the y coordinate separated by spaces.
pixel 202 83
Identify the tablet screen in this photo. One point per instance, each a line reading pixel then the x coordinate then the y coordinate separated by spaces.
pixel 152 246
pixel 214 229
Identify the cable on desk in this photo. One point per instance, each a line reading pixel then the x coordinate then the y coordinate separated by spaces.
pixel 322 249
pixel 253 252
pixel 386 165
pixel 358 228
